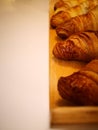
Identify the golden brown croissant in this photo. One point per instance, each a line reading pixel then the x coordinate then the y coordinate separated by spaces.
pixel 81 87
pixel 80 23
pixel 67 3
pixel 82 47
pixel 62 15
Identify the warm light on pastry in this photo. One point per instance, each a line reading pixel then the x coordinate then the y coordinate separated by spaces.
pixel 80 23
pixel 81 87
pixel 62 14
pixel 67 3
pixel 82 47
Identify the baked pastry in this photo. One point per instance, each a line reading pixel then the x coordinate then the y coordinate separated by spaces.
pixel 82 47
pixel 62 15
pixel 81 87
pixel 80 23
pixel 67 3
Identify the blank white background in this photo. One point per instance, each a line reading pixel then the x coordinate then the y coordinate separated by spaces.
pixel 24 66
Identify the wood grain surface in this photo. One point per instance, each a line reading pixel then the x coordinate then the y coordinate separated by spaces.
pixel 61 111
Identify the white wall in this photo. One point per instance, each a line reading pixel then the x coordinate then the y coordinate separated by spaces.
pixel 24 88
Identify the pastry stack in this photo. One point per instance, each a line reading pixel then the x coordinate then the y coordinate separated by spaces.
pixel 76 24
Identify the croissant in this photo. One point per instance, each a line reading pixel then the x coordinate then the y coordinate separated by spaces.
pixel 80 23
pixel 67 3
pixel 62 15
pixel 81 87
pixel 82 47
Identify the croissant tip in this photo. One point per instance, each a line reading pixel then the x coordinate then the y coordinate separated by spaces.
pixel 53 27
pixel 55 8
pixel 59 84
pixel 60 80
pixel 62 34
pixel 52 24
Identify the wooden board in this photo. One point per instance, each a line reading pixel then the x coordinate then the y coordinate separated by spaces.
pixel 63 112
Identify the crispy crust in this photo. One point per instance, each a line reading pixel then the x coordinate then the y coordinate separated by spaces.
pixel 79 88
pixel 67 3
pixel 75 25
pixel 82 47
pixel 63 14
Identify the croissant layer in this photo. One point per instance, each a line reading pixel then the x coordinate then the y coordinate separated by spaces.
pixel 86 22
pixel 62 15
pixel 81 87
pixel 82 47
pixel 67 3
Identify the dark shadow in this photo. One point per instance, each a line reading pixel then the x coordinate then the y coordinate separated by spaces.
pixel 62 102
pixel 69 63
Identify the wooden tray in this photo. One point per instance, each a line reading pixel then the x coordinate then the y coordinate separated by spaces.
pixel 63 112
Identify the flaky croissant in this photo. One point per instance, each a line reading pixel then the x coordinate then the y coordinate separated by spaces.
pixel 81 87
pixel 67 3
pixel 82 47
pixel 62 15
pixel 80 23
